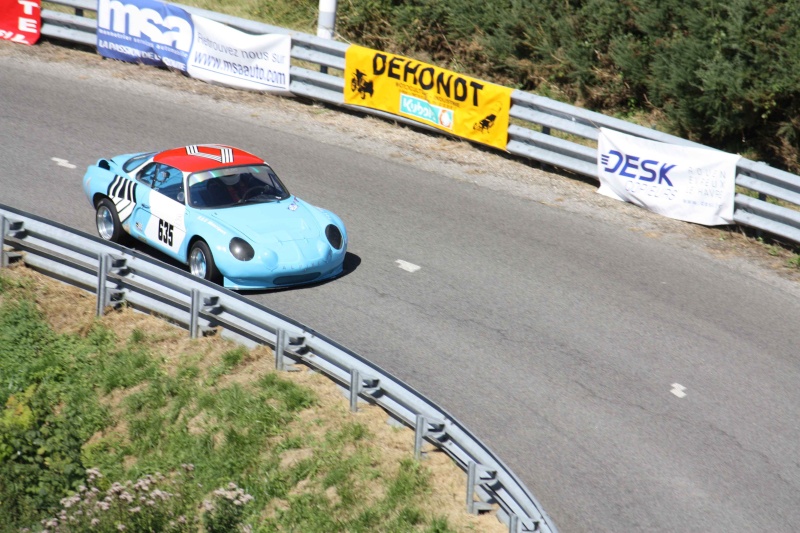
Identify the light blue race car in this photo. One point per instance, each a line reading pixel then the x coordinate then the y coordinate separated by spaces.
pixel 222 211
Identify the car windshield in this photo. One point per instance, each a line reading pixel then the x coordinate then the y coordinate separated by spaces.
pixel 136 161
pixel 228 187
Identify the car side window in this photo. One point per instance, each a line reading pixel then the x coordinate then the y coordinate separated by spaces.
pixel 169 182
pixel 148 174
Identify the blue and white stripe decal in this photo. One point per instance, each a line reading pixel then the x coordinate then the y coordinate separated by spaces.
pixel 225 154
pixel 123 193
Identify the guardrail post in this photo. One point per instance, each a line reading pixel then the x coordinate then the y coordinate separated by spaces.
pixel 281 342
pixel 513 523
pixel 355 385
pixel 477 475
pixel 419 435
pixel 194 314
pixel 359 384
pixel 102 273
pixel 3 259
pixel 7 226
pixel 425 427
pixel 280 345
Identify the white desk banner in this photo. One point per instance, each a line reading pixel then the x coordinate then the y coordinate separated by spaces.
pixel 226 56
pixel 692 184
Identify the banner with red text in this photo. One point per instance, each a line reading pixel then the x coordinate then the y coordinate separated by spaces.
pixel 20 20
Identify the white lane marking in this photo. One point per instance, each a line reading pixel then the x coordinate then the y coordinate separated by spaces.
pixel 408 267
pixel 677 390
pixel 62 162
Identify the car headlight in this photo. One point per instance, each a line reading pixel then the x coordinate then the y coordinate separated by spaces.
pixel 241 249
pixel 334 236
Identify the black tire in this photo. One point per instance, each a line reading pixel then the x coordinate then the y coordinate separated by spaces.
pixel 201 262
pixel 107 221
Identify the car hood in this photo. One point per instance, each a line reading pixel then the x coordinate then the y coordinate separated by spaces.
pixel 284 221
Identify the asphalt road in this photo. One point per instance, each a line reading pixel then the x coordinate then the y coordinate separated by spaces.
pixel 555 336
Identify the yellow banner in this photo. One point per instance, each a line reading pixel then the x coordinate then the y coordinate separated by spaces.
pixel 464 106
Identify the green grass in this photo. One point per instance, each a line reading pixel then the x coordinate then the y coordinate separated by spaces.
pixel 85 411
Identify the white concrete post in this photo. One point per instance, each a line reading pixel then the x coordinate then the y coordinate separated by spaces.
pixel 327 19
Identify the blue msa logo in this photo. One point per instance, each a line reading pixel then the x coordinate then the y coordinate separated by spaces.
pixel 146 18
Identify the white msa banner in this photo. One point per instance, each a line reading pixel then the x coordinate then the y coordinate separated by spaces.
pixel 226 56
pixel 692 184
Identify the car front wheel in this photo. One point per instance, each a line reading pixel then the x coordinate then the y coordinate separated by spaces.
pixel 107 220
pixel 201 262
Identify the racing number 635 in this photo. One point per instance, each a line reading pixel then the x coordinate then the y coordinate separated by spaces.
pixel 165 232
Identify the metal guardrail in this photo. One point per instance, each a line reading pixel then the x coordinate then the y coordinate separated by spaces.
pixel 537 143
pixel 117 274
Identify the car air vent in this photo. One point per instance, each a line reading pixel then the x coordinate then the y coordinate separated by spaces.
pixel 291 280
pixel 334 236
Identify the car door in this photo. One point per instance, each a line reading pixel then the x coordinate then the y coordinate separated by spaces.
pixel 159 218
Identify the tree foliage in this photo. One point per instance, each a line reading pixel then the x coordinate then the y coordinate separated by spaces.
pixel 725 74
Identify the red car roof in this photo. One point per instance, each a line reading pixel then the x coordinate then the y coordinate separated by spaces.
pixel 198 157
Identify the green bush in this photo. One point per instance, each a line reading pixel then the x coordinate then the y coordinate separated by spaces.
pixel 46 418
pixel 725 74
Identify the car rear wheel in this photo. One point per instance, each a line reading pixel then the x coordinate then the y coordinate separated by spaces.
pixel 201 262
pixel 108 225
